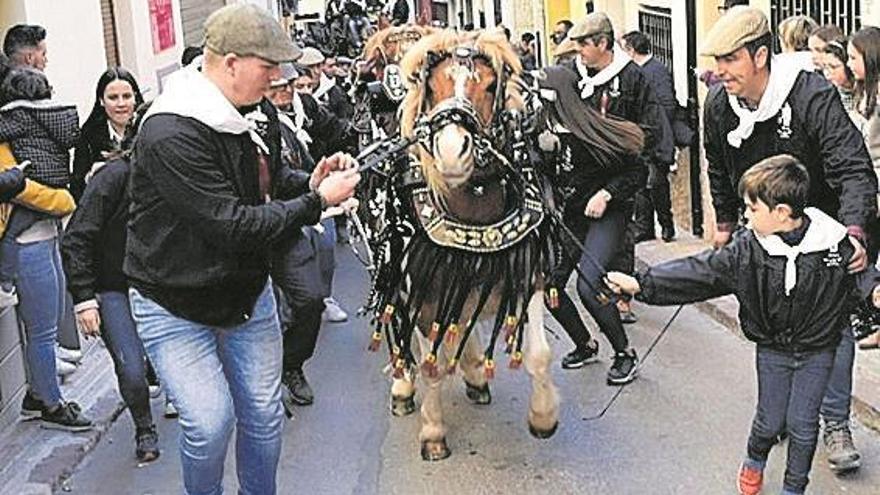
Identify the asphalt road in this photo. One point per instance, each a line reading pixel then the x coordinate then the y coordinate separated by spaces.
pixel 681 428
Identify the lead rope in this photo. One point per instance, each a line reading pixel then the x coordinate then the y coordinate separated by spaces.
pixel 638 368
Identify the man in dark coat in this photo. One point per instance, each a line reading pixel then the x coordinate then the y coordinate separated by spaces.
pixel 655 197
pixel 209 197
pixel 767 106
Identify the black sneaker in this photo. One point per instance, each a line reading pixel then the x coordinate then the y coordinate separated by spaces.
pixel 624 369
pixel 146 444
pixel 66 416
pixel 300 391
pixel 581 356
pixel 31 407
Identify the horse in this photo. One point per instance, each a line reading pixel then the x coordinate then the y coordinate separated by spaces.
pixel 467 240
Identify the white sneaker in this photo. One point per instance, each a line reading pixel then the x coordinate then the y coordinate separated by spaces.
pixel 8 297
pixel 170 410
pixel 333 312
pixel 63 368
pixel 73 356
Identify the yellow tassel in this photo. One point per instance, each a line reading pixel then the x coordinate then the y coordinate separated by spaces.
pixel 429 367
pixel 452 334
pixel 515 360
pixel 554 298
pixel 375 342
pixel 435 331
pixel 387 314
pixel 450 366
pixel 399 366
pixel 489 369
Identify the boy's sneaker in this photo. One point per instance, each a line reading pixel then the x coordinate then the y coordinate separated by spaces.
pixel 31 407
pixel 8 297
pixel 73 356
pixel 581 356
pixel 146 444
pixel 170 410
pixel 66 416
pixel 750 480
pixel 842 453
pixel 624 369
pixel 333 312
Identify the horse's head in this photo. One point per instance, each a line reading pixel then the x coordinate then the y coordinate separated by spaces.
pixel 459 84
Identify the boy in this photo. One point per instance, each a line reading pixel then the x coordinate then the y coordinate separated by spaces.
pixel 789 273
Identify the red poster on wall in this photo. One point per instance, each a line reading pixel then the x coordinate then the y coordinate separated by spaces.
pixel 161 24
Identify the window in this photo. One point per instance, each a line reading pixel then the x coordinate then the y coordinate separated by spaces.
pixel 846 14
pixel 656 23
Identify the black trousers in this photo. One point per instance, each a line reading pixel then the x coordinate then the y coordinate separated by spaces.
pixel 654 198
pixel 603 242
pixel 300 295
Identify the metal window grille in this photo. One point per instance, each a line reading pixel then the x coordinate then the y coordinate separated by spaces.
pixel 845 14
pixel 656 23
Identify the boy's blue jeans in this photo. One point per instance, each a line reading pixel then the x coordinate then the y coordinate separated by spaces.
pixel 790 390
pixel 220 378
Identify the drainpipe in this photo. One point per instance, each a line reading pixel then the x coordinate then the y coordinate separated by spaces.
pixel 694 118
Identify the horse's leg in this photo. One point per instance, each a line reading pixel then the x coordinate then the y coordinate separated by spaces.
pixel 544 402
pixel 433 433
pixel 476 384
pixel 403 391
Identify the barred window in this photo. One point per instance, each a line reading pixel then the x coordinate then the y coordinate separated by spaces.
pixel 656 23
pixel 845 14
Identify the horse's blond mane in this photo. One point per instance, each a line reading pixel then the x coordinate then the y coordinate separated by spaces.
pixel 379 42
pixel 491 44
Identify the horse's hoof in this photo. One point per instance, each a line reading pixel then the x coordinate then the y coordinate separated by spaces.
pixel 402 406
pixel 542 434
pixel 478 395
pixel 435 450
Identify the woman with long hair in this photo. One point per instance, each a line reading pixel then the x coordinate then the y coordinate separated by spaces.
pixel 117 94
pixel 833 65
pixel 864 62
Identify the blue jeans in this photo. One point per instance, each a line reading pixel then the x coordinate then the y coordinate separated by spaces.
pixel 220 378
pixel 127 351
pixel 838 395
pixel 790 391
pixel 40 283
pixel 20 220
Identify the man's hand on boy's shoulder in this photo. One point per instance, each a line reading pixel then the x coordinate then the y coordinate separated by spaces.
pixel 859 260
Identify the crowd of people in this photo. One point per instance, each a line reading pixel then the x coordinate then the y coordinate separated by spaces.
pixel 201 243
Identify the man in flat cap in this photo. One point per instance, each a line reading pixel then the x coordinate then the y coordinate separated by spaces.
pixel 209 199
pixel 767 105
pixel 610 83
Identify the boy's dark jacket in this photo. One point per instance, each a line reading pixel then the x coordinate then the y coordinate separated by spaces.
pixel 809 319
pixel 41 131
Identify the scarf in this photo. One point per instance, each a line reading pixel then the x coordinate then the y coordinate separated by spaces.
pixel 588 83
pixel 785 71
pixel 325 84
pixel 188 93
pixel 823 234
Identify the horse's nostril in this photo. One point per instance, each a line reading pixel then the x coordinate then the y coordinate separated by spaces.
pixel 465 146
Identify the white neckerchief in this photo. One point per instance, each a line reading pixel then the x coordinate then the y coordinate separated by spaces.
pixel 189 93
pixel 299 119
pixel 823 233
pixel 324 86
pixel 784 71
pixel 588 83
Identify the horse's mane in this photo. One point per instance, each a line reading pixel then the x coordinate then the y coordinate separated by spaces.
pixel 491 44
pixel 381 42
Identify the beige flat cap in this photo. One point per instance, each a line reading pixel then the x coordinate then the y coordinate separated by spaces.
pixel 248 31
pixel 740 25
pixel 594 23
pixel 311 56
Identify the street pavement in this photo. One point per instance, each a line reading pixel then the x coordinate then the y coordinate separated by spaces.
pixel 681 428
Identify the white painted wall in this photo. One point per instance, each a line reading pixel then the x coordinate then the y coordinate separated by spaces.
pixel 75 44
pixel 136 44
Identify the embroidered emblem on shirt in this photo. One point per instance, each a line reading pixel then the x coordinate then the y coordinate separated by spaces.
pixel 784 130
pixel 833 259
